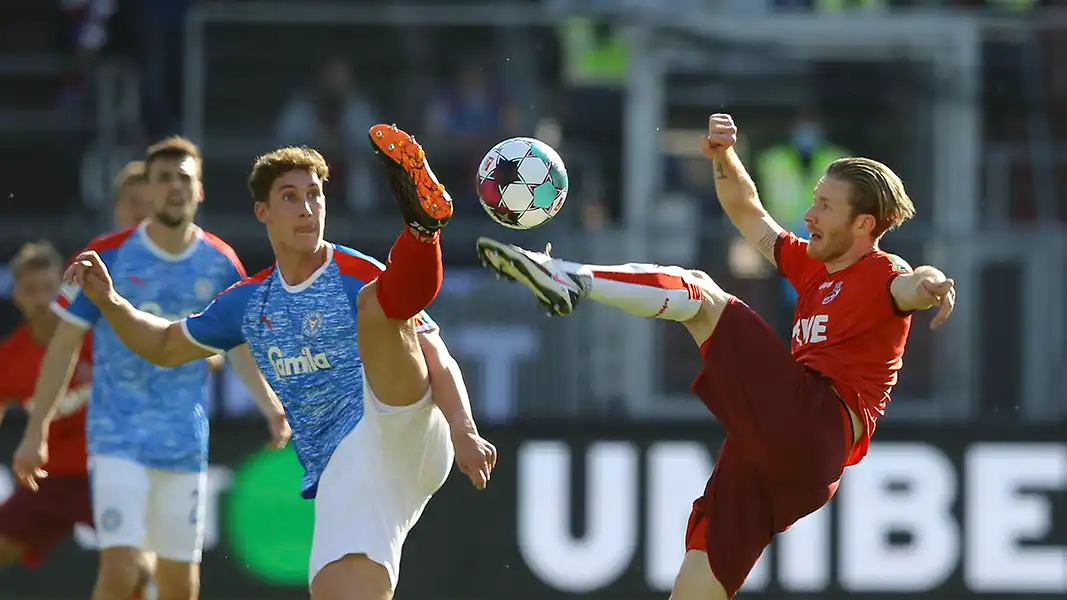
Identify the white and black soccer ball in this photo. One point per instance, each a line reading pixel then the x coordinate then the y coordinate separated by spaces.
pixel 522 183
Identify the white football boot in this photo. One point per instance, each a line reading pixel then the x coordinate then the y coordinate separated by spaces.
pixel 556 289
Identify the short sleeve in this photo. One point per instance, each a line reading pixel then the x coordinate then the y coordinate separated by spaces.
pixel 72 306
pixel 236 271
pixel 791 256
pixel 900 266
pixel 897 267
pixel 232 275
pixel 75 308
pixel 217 328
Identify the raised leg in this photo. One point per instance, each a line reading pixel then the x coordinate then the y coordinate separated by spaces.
pixel 644 290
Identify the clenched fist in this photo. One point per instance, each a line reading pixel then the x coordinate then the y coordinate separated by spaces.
pixel 89 273
pixel 722 134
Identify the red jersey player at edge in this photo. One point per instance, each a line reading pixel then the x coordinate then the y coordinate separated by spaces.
pixel 32 523
pixel 793 421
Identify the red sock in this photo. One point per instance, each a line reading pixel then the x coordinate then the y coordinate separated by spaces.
pixel 412 276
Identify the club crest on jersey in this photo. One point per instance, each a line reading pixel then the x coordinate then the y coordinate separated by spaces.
pixel 312 321
pixel 204 289
pixel 833 293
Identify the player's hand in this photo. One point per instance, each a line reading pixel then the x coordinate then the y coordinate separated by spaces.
pixel 941 294
pixel 30 455
pixel 280 431
pixel 89 273
pixel 722 134
pixel 475 456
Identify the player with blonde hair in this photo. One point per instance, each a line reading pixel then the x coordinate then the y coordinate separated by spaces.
pixel 794 419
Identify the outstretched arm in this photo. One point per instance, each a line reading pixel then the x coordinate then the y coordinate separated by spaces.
pixel 922 289
pixel 157 340
pixel 735 189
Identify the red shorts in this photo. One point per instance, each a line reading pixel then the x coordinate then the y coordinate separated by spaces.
pixel 40 520
pixel 788 435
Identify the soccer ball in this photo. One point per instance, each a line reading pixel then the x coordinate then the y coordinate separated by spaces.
pixel 522 183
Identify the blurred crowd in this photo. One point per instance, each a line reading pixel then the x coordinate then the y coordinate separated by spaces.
pixel 79 109
pixel 461 92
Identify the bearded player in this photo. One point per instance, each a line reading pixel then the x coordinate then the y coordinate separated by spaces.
pixel 793 421
pixel 377 405
pixel 32 523
pixel 147 427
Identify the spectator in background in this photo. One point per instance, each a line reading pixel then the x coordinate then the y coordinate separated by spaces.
pixel 333 116
pixel 160 28
pixel 787 173
pixel 130 188
pixel 84 33
pixel 468 117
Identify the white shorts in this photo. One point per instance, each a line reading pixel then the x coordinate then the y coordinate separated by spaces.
pixel 138 507
pixel 378 481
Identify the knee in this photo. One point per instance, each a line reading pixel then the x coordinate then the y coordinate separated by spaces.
pixel 177 580
pixel 352 576
pixel 369 311
pixel 119 572
pixel 713 297
pixel 367 301
pixel 713 294
pixel 146 570
pixel 187 590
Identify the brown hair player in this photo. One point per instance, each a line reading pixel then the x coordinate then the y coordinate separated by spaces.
pixel 377 405
pixel 793 420
pixel 31 524
pixel 147 489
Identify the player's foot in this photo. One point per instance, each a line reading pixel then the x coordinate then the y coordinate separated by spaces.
pixel 556 289
pixel 426 205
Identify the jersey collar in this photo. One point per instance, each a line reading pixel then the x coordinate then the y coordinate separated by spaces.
pixel 303 285
pixel 163 254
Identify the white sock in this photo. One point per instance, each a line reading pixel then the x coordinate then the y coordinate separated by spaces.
pixel 643 290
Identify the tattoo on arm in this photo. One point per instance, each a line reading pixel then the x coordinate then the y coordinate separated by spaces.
pixel 720 173
pixel 767 243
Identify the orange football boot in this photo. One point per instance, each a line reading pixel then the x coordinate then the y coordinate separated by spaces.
pixel 425 203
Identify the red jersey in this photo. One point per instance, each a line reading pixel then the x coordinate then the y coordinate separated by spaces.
pixel 20 362
pixel 848 327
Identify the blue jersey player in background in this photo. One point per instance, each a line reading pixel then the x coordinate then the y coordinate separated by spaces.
pixel 147 425
pixel 377 405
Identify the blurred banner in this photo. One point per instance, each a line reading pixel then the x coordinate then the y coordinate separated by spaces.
pixel 600 512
